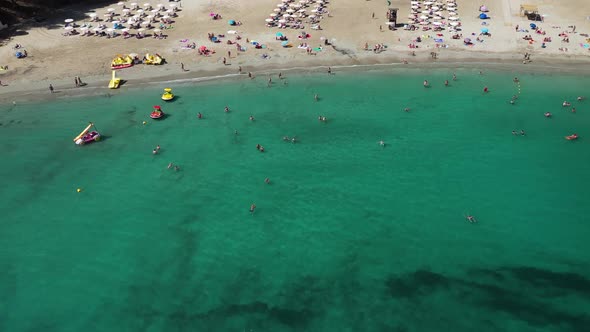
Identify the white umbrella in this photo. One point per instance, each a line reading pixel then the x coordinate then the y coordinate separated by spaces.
pixel 154 11
pixel 428 3
pixel 423 17
pixel 126 10
pixel 92 14
pixel 426 12
pixel 411 16
pixel 170 11
pixel 301 10
pixel 280 5
pixel 414 2
pixel 110 30
pixel 120 3
pixel 110 10
pixel 282 21
pixel 165 17
pixel 268 20
pixel 141 30
pixel 453 18
pixel 140 11
pixel 276 10
pixel 286 15
pixel 68 28
pixel 290 10
pixel 424 22
pixel 435 8
pixel 436 23
pixel 314 10
pixel 454 24
pixel 133 4
pixel 125 30
pixel 69 20
pixel 273 14
pixel 145 23
pixel 157 30
pixel 311 16
pixel 97 29
pixel 160 5
pixel 414 7
pixel 84 28
pixel 231 32
pixel 146 4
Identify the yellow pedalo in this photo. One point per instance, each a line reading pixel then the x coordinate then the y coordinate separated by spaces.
pixel 167 95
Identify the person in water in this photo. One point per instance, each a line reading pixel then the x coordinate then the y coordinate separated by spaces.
pixel 485 89
pixel 514 132
pixel 316 97
pixel 251 118
pixel 565 103
pixel 236 132
pixel 446 82
pixel 170 165
pixel 226 110
pixel 573 110
pixel 515 80
pixel 155 151
pixel 252 208
pixel 199 115
pixel 176 168
pixel 580 98
pixel 258 146
pixel 261 148
pixel 425 83
pixel 471 219
pixel 522 132
pixel 267 181
pixel 286 138
pixel 407 109
pixel 454 77
pixel 158 147
pixel 382 143
pixel 293 140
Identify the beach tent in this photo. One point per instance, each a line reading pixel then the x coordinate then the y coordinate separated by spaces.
pixel 483 16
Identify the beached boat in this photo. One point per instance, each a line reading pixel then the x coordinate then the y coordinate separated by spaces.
pixel 115 81
pixel 87 135
pixel 167 95
pixel 157 113
pixel 122 62
pixel 572 137
pixel 153 59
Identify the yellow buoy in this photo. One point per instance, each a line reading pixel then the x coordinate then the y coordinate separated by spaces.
pixel 144 122
pixel 79 190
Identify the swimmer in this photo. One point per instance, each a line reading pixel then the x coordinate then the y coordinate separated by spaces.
pixel 514 97
pixel 512 101
pixel 454 77
pixel 158 148
pixel 252 208
pixel 170 165
pixel 250 74
pixel 515 80
pixel 280 76
pixel 285 82
pixel 267 181
pixel 258 147
pixel 251 118
pixel 522 132
pixel 580 98
pixel 261 148
pixel 382 143
pixel 176 168
pixel 547 115
pixel 226 109
pixel 286 138
pixel 155 151
pixel 446 82
pixel 236 132
pixel 514 132
pixel 316 97
pixel 199 115
pixel 485 89
pixel 573 110
pixel 425 83
pixel 293 140
pixel 471 219
pixel 565 103
pixel 407 109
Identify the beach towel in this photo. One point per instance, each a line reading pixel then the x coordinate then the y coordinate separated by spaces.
pixel 317 49
pixel 184 40
pixel 438 40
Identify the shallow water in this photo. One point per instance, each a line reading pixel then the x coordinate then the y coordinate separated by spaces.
pixel 349 236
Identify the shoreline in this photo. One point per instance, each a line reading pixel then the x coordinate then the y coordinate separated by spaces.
pixel 96 85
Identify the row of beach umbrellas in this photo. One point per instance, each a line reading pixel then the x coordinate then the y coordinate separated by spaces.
pixel 291 9
pixel 422 12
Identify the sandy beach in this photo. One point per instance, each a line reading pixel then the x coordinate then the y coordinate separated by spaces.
pixel 348 26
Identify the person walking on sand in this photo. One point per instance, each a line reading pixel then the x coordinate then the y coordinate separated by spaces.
pixel 250 75
pixel 239 69
pixel 51 88
pixel 224 61
pixel 182 66
pixel 76 81
pixel 329 70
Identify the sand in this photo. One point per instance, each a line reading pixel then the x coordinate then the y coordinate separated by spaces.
pixel 56 59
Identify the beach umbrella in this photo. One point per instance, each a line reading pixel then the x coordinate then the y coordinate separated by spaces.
pixel 435 8
pixel 467 40
pixel 285 43
pixel 428 3
pixel 301 10
pixel 453 18
pixel 424 22
pixel 231 22
pixel 483 16
pixel 423 17
pixel 437 18
pixel 140 12
pixel 120 3
pixel 280 5
pixel 411 16
pixel 269 20
pixel 454 24
pixel 483 9
pixel 414 2
pixel 69 20
pixel 97 29
pixel 125 30
pixel 389 23
pixel 126 10
pixel 273 15
pixel 146 4
pixel 110 30
pixel 140 30
pixel 110 10
pixel 426 12
pixel 145 23
pixel 314 11
pixel 165 17
pixel 231 32
pixel 92 14
pixel 160 6
pixel 436 23
pixel 282 21
pixel 311 16
pixel 133 4
pixel 485 30
pixel 84 28
pixel 68 28
pixel 279 34
pixel 290 10
pixel 276 10
pixel 203 48
pixel 157 30
pixel 414 7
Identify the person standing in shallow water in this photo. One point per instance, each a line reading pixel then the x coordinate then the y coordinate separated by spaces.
pixel 51 88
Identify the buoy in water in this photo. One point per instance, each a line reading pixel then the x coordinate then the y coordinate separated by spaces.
pixel 79 190
pixel 144 122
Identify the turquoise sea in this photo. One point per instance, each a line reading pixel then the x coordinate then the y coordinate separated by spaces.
pixel 348 236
